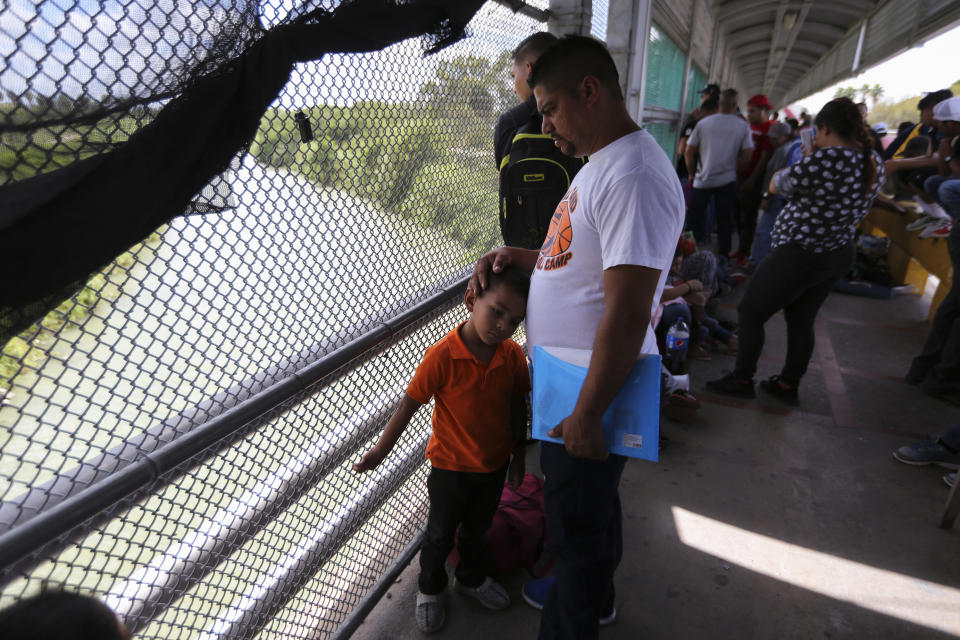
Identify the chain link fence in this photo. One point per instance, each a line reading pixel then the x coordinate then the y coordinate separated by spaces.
pixel 176 438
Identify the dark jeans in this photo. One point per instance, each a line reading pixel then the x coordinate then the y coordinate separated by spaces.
pixel 458 499
pixel 952 437
pixel 797 281
pixel 747 219
pixel 585 531
pixel 723 198
pixel 938 365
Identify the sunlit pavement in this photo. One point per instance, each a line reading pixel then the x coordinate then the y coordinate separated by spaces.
pixel 763 521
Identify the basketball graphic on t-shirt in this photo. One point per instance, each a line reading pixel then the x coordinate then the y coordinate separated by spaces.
pixel 560 233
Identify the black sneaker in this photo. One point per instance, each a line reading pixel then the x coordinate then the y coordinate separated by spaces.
pixel 733 385
pixel 780 390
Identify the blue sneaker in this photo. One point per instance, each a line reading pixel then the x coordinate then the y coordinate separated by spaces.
pixel 535 592
pixel 929 451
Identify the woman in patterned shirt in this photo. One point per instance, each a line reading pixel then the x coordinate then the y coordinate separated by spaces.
pixel 828 193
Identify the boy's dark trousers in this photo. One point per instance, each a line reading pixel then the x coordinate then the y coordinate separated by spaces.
pixel 464 499
pixel 584 523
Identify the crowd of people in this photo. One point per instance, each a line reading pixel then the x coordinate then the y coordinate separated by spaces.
pixel 630 246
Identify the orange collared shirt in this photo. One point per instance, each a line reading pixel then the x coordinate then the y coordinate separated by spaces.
pixel 471 416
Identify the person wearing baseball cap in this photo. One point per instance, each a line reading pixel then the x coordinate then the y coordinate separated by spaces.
pixel 751 183
pixel 709 103
pixel 945 186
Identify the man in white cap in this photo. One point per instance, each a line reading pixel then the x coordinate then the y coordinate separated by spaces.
pixel 945 186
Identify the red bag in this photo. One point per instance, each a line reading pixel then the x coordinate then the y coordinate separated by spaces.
pixel 518 535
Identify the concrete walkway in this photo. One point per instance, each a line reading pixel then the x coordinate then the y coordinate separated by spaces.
pixel 762 521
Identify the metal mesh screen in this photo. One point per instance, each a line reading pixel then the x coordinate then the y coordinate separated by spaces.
pixel 665 68
pixel 263 530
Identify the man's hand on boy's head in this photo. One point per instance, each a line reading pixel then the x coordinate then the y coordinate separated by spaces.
pixel 496 259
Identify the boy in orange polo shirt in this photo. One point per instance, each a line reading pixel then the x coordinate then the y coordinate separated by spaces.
pixel 479 378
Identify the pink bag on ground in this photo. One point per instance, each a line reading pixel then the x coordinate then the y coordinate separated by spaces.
pixel 518 535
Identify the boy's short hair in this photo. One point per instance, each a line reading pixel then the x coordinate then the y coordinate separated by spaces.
pixel 570 60
pixel 533 46
pixel 60 615
pixel 516 279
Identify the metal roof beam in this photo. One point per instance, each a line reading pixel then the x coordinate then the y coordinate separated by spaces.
pixel 788 26
pixel 740 8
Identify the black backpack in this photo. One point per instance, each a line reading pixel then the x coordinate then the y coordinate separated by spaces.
pixel 534 177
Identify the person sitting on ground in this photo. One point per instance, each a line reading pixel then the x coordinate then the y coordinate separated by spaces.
pixel 812 246
pixel 479 378
pixel 691 282
pixel 61 615
pixel 943 451
pixel 786 153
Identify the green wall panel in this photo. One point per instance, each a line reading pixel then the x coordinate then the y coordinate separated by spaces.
pixel 665 67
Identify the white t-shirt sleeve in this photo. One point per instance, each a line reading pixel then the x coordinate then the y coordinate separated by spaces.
pixel 747 142
pixel 630 222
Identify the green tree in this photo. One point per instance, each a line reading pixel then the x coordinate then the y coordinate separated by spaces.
pixel 846 92
pixel 875 93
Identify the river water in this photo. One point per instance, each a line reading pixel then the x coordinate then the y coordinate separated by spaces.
pixel 226 295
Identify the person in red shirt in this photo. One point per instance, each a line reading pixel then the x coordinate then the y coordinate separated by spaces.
pixel 479 380
pixel 751 178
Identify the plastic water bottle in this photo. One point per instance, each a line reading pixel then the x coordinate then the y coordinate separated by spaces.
pixel 678 339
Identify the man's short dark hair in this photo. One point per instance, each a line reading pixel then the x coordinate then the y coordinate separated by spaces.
pixel 934 98
pixel 573 58
pixel 533 46
pixel 515 279
pixel 729 98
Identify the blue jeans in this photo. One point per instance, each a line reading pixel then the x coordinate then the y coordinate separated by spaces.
pixel 584 523
pixel 761 240
pixel 952 437
pixel 946 191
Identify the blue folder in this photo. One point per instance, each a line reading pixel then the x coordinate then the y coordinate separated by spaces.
pixel 631 424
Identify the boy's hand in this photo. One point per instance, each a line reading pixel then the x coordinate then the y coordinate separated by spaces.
pixel 370 460
pixel 582 437
pixel 517 469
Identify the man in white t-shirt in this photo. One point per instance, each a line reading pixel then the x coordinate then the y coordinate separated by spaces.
pixel 723 141
pixel 595 284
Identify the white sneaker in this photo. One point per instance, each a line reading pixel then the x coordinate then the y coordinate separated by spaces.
pixel 937 230
pixel 922 222
pixel 489 594
pixel 431 612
